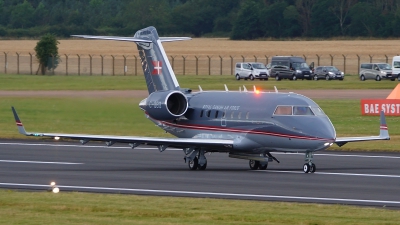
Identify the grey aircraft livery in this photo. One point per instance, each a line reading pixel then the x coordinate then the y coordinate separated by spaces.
pixel 245 124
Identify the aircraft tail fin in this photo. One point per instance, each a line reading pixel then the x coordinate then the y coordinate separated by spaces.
pixel 155 64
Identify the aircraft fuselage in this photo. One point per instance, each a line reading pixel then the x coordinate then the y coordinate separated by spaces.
pixel 252 120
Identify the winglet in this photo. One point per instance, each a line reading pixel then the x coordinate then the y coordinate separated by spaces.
pixel 383 130
pixel 20 126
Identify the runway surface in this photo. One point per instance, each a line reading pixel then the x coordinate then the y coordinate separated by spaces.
pixel 371 179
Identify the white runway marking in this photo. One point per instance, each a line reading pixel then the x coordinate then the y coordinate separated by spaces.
pixel 194 193
pixel 172 149
pixel 40 162
pixel 325 173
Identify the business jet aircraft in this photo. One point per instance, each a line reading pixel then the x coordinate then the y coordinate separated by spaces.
pixel 246 124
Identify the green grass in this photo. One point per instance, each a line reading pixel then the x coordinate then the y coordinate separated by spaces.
pixel 122 116
pixel 214 82
pixel 80 208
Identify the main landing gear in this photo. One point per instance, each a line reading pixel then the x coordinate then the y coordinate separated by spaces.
pixel 309 166
pixel 195 159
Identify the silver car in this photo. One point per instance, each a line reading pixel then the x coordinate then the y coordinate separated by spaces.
pixel 376 71
pixel 328 73
pixel 251 70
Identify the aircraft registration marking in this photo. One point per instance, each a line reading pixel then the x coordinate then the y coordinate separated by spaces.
pixel 222 107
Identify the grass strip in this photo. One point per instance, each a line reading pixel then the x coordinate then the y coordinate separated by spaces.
pixel 84 208
pixel 122 116
pixel 214 82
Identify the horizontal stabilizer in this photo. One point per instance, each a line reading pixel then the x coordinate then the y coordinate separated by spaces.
pixel 131 39
pixel 170 39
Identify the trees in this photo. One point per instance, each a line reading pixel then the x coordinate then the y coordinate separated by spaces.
pixel 47 53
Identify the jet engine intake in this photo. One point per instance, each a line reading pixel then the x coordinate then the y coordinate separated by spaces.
pixel 165 105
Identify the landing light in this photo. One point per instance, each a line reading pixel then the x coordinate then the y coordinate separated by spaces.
pixel 326 144
pixel 56 138
pixel 54 188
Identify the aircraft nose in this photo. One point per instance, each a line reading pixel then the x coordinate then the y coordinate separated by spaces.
pixel 325 129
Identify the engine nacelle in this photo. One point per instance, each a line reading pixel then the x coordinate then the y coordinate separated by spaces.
pixel 165 105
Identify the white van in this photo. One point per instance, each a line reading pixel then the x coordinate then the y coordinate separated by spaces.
pixel 396 67
pixel 251 70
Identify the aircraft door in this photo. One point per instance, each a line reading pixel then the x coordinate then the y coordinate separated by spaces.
pixel 223 119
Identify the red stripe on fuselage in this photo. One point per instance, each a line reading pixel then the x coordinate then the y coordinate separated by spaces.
pixel 212 128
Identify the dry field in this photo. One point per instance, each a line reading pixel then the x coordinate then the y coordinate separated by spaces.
pixel 329 52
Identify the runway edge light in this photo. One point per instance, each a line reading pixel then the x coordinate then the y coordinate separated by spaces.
pixel 54 188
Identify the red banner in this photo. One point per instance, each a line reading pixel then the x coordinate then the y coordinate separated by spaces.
pixel 391 107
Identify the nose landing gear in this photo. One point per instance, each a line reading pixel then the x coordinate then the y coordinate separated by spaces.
pixel 309 166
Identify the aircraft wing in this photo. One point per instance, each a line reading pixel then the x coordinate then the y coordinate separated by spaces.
pixel 383 134
pixel 133 141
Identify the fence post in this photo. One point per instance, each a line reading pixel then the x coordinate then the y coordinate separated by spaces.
pixel 184 64
pixel 305 58
pixel 358 68
pixel 135 65
pixel 387 60
pixel 231 64
pixel 318 57
pixel 197 65
pixel 66 64
pixel 52 65
pixel 370 58
pixel 220 67
pixel 5 62
pixel 113 65
pixel 255 58
pixel 17 62
pixel 266 59
pixel 125 67
pixel 30 62
pixel 79 64
pixel 90 64
pixel 331 59
pixel 243 58
pixel 102 65
pixel 344 63
pixel 209 65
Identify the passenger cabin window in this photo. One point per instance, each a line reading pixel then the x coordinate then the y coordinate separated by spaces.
pixel 216 114
pixel 240 115
pixel 283 110
pixel 201 113
pixel 247 115
pixel 208 113
pixel 232 114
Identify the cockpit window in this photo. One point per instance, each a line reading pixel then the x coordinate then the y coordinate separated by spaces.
pixel 318 111
pixel 286 110
pixel 302 110
pixel 283 110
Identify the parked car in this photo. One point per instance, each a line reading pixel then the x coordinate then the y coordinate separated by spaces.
pixel 290 67
pixel 251 70
pixel 396 67
pixel 328 73
pixel 377 71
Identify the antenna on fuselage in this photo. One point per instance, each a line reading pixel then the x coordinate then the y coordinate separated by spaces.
pixel 254 88
pixel 276 89
pixel 200 89
pixel 244 88
pixel 226 88
pixel 240 89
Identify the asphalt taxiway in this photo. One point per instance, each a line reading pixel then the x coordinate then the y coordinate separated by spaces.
pixel 371 179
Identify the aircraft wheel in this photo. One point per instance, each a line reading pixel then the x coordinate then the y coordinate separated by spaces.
pixel 313 168
pixel 237 77
pixel 254 164
pixel 203 167
pixel 193 164
pixel 306 168
pixel 263 167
